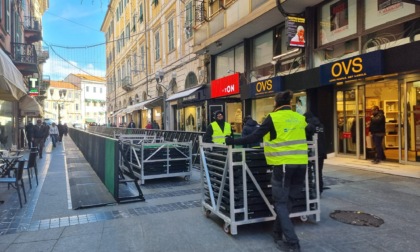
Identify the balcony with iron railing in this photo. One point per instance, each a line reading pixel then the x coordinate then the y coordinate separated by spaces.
pixel 32 29
pixel 25 58
pixel 44 84
pixel 43 53
pixel 126 84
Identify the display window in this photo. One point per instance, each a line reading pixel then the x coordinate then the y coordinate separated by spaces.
pixel 6 124
pixel 384 11
pixel 190 118
pixel 338 19
pixel 234 116
pixel 157 116
pixel 261 107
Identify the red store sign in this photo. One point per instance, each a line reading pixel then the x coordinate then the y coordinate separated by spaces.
pixel 225 86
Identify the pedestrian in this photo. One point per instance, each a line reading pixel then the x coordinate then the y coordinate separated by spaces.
pixel 38 137
pixel 315 126
pixel 29 130
pixel 54 134
pixel 250 125
pixel 377 131
pixel 149 125
pixel 218 129
pixel 286 150
pixel 46 129
pixel 65 129
pixel 60 132
pixel 155 125
pixel 131 125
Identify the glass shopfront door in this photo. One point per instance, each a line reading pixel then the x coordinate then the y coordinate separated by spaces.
pixel 350 129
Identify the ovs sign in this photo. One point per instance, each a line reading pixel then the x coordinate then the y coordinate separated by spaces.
pixel 364 65
pixel 267 86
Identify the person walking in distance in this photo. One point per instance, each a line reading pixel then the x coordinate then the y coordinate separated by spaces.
pixel 218 129
pixel 286 150
pixel 60 132
pixel 39 136
pixel 377 131
pixel 54 134
pixel 316 127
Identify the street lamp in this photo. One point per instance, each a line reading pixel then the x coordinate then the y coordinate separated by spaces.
pixel 62 94
pixel 159 78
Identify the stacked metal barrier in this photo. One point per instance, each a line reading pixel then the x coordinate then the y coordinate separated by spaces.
pixel 236 186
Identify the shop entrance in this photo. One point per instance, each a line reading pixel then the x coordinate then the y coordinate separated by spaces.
pixel 350 133
pixel 410 135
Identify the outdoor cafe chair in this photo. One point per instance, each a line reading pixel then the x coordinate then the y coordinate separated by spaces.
pixel 17 180
pixel 31 164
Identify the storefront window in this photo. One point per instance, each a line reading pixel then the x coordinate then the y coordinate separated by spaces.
pixel 6 124
pixel 265 106
pixel 338 19
pixel 157 116
pixel 234 116
pixel 190 119
pixel 230 62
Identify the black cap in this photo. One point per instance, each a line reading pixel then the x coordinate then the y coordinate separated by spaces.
pixel 218 112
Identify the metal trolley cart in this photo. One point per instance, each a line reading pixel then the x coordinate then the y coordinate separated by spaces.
pixel 236 186
pixel 156 160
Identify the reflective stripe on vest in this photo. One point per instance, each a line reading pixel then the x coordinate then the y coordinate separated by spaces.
pixel 290 145
pixel 219 135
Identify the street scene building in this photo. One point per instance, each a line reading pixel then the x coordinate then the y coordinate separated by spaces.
pixel 22 86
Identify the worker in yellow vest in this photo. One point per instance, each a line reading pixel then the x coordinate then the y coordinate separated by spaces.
pixel 218 129
pixel 286 149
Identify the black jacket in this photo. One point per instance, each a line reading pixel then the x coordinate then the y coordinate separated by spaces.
pixel 315 126
pixel 250 126
pixel 377 123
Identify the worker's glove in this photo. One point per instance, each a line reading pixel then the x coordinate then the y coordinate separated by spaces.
pixel 229 140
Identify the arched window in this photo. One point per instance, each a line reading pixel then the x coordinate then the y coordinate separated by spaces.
pixel 144 96
pixel 191 80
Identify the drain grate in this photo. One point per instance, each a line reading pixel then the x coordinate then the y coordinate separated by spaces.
pixel 357 218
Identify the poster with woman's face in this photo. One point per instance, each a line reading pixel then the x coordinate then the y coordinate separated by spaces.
pixel 301 104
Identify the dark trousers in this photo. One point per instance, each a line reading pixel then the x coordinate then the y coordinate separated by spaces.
pixel 377 141
pixel 39 143
pixel 287 182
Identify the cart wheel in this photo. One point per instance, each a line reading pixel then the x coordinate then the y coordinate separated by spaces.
pixel 187 178
pixel 304 218
pixel 226 228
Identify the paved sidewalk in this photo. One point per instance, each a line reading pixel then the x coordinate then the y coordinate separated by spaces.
pixel 172 219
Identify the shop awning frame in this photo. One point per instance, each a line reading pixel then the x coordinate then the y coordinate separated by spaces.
pixel 12 87
pixel 138 106
pixel 30 107
pixel 184 93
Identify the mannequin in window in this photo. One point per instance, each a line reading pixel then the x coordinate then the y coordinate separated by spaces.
pixel 238 120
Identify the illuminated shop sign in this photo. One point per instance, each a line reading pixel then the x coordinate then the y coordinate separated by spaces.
pixel 365 65
pixel 267 86
pixel 33 87
pixel 225 86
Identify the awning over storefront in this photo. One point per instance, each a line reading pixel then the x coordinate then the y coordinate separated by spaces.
pixel 155 102
pixel 90 120
pixel 30 107
pixel 138 106
pixel 12 87
pixel 182 94
pixel 118 112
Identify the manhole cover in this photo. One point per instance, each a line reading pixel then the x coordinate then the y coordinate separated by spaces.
pixel 357 218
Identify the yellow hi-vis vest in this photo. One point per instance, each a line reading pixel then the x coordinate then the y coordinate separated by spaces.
pixel 290 146
pixel 219 135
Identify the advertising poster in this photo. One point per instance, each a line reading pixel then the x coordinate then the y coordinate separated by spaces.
pixel 295 27
pixel 339 15
pixel 384 4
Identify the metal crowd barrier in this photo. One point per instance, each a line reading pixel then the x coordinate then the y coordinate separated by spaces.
pixel 166 135
pixel 236 185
